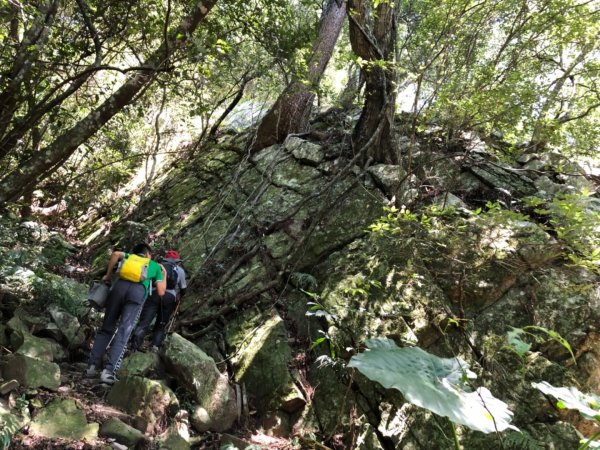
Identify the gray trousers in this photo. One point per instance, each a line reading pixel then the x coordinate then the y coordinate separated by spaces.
pixel 123 308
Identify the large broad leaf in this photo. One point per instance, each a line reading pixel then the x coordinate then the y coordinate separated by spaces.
pixel 433 383
pixel 570 397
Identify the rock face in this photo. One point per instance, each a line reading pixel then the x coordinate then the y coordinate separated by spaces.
pixel 62 419
pixel 198 373
pixel 31 372
pixel 300 263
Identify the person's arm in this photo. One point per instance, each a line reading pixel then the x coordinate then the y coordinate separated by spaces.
pixel 161 285
pixel 112 262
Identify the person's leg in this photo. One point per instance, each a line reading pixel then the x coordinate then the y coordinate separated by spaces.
pixel 164 314
pixel 114 305
pixel 151 306
pixel 134 300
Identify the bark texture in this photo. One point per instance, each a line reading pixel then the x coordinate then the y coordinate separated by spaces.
pixel 43 163
pixel 34 38
pixel 291 111
pixel 373 38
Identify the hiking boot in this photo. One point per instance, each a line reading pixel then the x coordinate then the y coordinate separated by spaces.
pixel 90 372
pixel 107 377
pixel 153 349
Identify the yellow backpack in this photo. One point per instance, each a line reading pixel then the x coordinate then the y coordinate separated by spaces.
pixel 134 268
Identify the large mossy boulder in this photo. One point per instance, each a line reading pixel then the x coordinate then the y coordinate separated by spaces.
pixel 261 361
pixel 140 364
pixel 40 348
pixel 61 418
pixel 198 373
pixel 149 399
pixel 31 372
pixel 68 325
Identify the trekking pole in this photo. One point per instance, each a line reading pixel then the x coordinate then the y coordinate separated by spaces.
pixel 172 320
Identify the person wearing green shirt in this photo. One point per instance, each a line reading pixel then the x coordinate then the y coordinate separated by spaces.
pixel 123 306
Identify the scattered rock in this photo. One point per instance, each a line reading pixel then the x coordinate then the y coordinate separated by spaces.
pixel 31 372
pixel 123 433
pixel 388 177
pixel 9 386
pixel 152 400
pixel 35 347
pixel 140 364
pixel 62 419
pixel 16 324
pixel 68 325
pixel 198 373
pixel 173 442
pixel 304 151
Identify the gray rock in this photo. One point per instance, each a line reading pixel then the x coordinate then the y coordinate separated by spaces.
pixel 304 151
pixel 504 178
pixel 31 372
pixel 123 433
pixel 9 386
pixel 62 419
pixel 16 324
pixel 35 347
pixel 68 325
pixel 197 372
pixel 139 363
pixel 449 199
pixel 546 187
pixel 173 441
pixel 262 356
pixel 388 177
pixel 533 167
pixel 152 400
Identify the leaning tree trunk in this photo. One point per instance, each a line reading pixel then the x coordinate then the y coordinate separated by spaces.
pixel 30 47
pixel 374 41
pixel 291 111
pixel 43 163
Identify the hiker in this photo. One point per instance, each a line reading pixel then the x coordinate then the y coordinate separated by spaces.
pixel 160 307
pixel 123 305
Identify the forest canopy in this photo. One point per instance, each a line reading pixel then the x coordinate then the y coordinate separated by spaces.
pixel 97 89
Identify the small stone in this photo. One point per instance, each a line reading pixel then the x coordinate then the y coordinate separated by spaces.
pixel 9 386
pixel 121 432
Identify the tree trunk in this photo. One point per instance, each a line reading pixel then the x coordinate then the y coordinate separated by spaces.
pixel 291 111
pixel 375 44
pixel 35 38
pixel 238 96
pixel 353 86
pixel 538 140
pixel 45 162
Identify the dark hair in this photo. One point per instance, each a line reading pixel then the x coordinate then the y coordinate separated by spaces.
pixel 141 249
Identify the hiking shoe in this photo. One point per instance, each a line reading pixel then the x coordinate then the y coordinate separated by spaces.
pixel 91 371
pixel 153 349
pixel 107 377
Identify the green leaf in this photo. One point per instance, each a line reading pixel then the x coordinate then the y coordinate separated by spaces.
pixel 434 383
pixel 514 339
pixel 554 335
pixel 317 342
pixel 572 398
